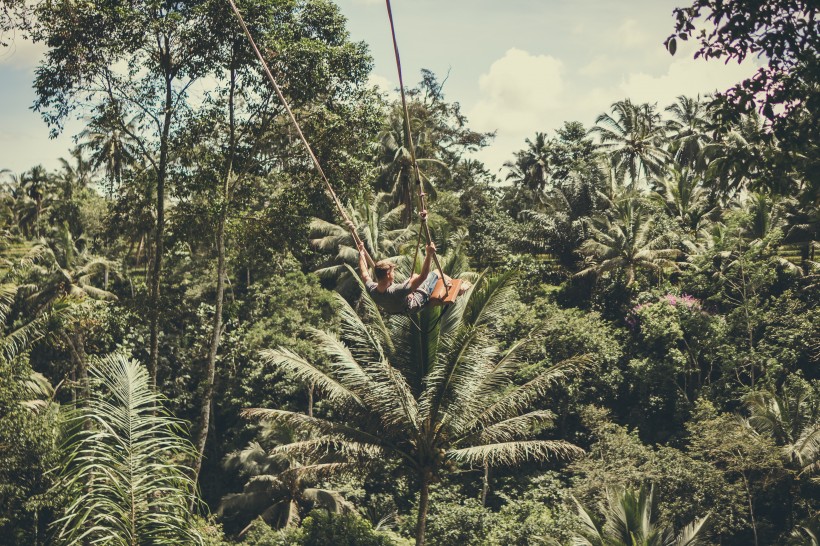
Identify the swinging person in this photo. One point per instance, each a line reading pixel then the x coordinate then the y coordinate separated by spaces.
pixel 408 297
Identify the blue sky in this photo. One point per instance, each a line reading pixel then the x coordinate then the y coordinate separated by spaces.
pixel 516 66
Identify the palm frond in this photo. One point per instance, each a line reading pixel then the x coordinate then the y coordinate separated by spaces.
pixel 119 469
pixel 513 453
pixel 304 371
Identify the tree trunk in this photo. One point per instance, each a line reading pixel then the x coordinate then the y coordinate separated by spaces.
pixel 76 347
pixel 485 484
pixel 424 500
pixel 221 273
pixel 210 368
pixel 162 171
pixel 751 507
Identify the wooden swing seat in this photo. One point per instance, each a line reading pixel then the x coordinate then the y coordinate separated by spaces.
pixel 440 296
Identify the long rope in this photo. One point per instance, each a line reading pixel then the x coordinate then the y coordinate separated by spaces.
pixel 281 96
pixel 411 147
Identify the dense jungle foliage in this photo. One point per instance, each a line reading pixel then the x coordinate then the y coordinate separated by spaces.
pixel 188 357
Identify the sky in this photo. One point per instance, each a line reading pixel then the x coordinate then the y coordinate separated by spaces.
pixel 515 66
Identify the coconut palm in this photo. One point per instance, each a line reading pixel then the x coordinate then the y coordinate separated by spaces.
pixel 531 168
pixel 688 131
pixel 562 227
pixel 379 227
pixel 112 148
pixel 685 199
pixel 634 137
pixel 736 158
pixel 394 158
pixel 792 420
pixel 427 393
pixel 122 476
pixel 17 335
pixel 627 242
pixel 280 489
pixel 630 519
pixel 33 196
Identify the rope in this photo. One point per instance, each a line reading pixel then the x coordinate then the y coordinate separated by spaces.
pixel 411 147
pixel 329 188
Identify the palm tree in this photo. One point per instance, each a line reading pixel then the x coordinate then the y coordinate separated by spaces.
pixel 113 148
pixel 531 168
pixel 280 488
pixel 630 519
pixel 563 226
pixel 74 176
pixel 427 393
pixel 379 227
pixel 394 158
pixel 737 156
pixel 33 195
pixel 59 272
pixel 686 200
pixel 634 138
pixel 807 534
pixel 689 127
pixel 122 474
pixel 792 420
pixel 627 242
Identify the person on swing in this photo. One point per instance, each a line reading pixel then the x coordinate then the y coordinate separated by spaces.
pixel 408 297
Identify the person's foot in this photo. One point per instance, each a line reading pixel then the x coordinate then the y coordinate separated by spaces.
pixel 465 285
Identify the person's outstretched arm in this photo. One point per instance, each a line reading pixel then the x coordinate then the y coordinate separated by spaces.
pixel 363 270
pixel 416 280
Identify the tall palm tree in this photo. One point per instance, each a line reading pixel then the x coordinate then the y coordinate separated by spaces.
pixel 563 226
pixel 736 158
pixel 635 138
pixel 427 393
pixel 685 199
pixel 628 242
pixel 112 148
pixel 688 131
pixel 380 228
pixel 531 167
pixel 396 174
pixel 76 175
pixel 33 196
pixel 122 476
pixel 630 519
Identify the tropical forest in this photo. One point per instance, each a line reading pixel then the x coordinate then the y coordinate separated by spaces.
pixel 612 340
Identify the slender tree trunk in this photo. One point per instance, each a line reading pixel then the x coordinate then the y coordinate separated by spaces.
pixel 221 273
pixel 156 270
pixel 310 398
pixel 751 507
pixel 210 368
pixel 76 347
pixel 485 485
pixel 424 501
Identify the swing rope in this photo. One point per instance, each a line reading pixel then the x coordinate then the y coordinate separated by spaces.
pixel 348 222
pixel 422 197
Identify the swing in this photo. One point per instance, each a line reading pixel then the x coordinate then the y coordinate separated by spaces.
pixel 444 293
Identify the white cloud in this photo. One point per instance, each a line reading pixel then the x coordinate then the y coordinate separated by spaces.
pixel 684 76
pixel 600 64
pixel 522 93
pixel 630 34
pixel 517 91
pixel 384 84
